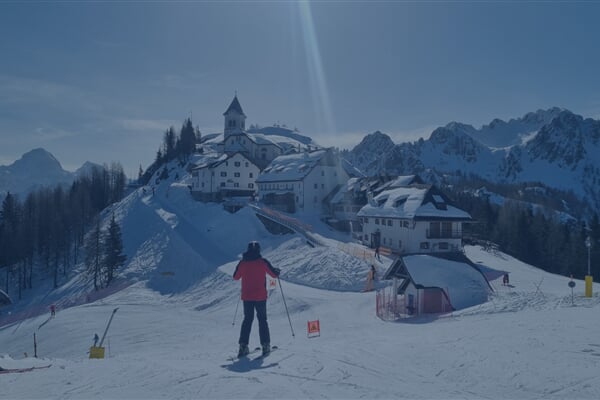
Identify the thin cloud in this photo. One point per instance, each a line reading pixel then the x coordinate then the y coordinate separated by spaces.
pixel 145 125
pixel 179 81
pixel 15 89
pixel 49 133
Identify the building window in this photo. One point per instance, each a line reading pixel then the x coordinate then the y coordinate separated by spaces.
pixel 222 184
pixel 223 173
pixel 236 174
pixel 236 184
pixel 390 223
pixel 376 221
pixel 424 245
pixel 366 220
pixel 316 185
pixel 322 173
pixel 251 185
pixel 202 184
pixel 322 186
pixel 237 163
pixel 251 175
pixel 246 163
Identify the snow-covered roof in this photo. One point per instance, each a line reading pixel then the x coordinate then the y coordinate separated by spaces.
pixel 208 160
pixel 291 167
pixel 259 138
pixel 348 187
pixel 413 202
pixel 401 181
pixel 216 161
pixel 465 285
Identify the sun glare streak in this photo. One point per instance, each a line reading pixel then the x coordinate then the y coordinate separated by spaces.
pixel 318 82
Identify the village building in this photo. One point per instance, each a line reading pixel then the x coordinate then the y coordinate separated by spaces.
pixel 227 176
pixel 431 284
pixel 413 219
pixel 300 182
pixel 239 158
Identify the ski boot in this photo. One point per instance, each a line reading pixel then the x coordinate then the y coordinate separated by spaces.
pixel 243 351
pixel 266 349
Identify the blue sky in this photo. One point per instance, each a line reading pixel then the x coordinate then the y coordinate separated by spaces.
pixel 102 80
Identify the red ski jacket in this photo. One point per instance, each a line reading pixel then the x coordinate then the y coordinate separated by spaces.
pixel 254 280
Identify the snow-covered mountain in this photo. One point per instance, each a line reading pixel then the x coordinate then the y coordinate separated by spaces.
pixel 499 133
pixel 35 169
pixel 555 147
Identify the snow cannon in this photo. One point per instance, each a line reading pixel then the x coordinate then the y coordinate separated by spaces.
pixel 98 351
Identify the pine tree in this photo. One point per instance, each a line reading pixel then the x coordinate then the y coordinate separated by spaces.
pixel 187 140
pixel 113 257
pixel 93 253
pixel 9 226
pixel 169 144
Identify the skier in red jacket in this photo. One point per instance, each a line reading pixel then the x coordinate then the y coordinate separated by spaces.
pixel 252 271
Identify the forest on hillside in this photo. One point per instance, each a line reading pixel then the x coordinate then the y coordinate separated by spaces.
pixel 46 234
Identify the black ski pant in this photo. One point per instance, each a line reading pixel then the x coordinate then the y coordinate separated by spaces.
pixel 261 315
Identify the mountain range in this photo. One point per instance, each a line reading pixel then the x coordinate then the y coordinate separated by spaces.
pixel 35 169
pixel 554 147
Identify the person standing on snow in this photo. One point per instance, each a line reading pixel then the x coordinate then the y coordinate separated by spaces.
pixel 252 270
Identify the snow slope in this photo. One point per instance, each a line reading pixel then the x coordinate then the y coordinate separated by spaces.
pixel 177 324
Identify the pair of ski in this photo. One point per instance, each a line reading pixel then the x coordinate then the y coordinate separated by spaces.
pixel 19 370
pixel 256 350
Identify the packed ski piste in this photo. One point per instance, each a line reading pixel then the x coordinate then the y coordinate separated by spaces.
pixel 185 328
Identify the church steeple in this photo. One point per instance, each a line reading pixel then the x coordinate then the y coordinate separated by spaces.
pixel 235 119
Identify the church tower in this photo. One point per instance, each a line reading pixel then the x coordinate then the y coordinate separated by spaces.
pixel 235 119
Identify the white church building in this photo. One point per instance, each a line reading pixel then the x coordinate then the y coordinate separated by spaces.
pixel 256 147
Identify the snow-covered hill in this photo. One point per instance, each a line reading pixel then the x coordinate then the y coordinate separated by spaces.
pixel 555 147
pixel 177 324
pixel 36 168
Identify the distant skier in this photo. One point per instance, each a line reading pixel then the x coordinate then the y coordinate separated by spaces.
pixel 96 338
pixel 252 270
pixel 370 278
pixel 505 280
pixel 377 253
pixel 52 310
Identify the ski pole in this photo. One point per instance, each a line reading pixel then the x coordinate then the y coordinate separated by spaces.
pixel 236 309
pixel 286 309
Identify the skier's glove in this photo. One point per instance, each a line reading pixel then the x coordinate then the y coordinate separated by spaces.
pixel 277 271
